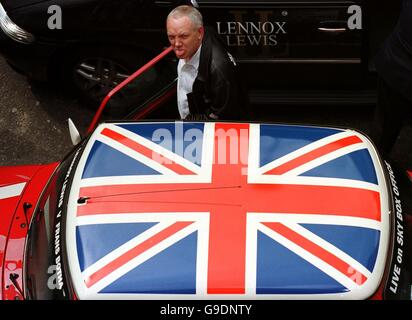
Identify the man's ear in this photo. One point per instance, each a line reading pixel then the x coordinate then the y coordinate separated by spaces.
pixel 201 32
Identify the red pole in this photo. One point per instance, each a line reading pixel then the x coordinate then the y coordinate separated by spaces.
pixel 125 82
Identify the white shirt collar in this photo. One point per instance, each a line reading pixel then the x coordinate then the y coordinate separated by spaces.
pixel 187 73
pixel 194 61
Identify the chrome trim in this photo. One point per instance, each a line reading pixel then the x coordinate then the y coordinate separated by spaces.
pixel 332 30
pixel 12 30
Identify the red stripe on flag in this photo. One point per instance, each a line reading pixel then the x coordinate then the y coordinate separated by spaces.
pixel 266 198
pixel 314 154
pixel 133 253
pixel 311 247
pixel 135 146
pixel 227 252
pixel 227 240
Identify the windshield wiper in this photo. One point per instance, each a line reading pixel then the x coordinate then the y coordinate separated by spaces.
pixel 26 207
pixel 13 278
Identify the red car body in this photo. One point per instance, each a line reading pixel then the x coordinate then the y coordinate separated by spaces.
pixel 25 190
pixel 20 189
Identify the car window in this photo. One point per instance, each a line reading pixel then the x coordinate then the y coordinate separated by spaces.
pixel 44 261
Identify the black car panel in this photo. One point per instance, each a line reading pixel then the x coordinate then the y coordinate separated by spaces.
pixel 286 37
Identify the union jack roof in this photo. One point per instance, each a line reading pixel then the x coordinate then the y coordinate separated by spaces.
pixel 189 210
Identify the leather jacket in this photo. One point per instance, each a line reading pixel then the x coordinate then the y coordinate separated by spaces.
pixel 216 91
pixel 394 61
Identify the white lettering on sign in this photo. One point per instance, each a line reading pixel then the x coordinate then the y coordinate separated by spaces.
pixel 241 33
pixel 398 249
pixel 56 280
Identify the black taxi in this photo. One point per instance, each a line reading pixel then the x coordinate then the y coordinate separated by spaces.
pixel 298 52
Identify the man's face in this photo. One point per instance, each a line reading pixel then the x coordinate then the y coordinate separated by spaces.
pixel 184 37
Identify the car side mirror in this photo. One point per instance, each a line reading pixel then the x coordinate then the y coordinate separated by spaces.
pixel 74 133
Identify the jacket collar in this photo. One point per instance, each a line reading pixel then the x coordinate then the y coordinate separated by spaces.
pixel 205 57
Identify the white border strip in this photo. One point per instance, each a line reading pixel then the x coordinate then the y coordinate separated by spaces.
pixel 11 191
pixel 304 150
pixel 155 147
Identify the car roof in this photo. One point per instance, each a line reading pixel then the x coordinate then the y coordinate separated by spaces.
pixel 194 210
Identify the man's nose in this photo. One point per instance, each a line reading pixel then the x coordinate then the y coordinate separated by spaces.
pixel 178 43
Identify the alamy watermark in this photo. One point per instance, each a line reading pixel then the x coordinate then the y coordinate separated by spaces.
pixel 55 20
pixel 55 281
pixel 230 145
pixel 355 20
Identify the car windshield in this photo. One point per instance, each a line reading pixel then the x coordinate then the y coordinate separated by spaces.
pixel 45 274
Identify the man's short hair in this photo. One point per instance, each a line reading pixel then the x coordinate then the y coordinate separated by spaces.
pixel 187 11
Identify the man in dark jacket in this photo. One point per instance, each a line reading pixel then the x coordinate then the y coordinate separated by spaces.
pixel 208 88
pixel 394 66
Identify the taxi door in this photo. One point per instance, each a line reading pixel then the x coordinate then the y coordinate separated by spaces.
pixel 302 44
